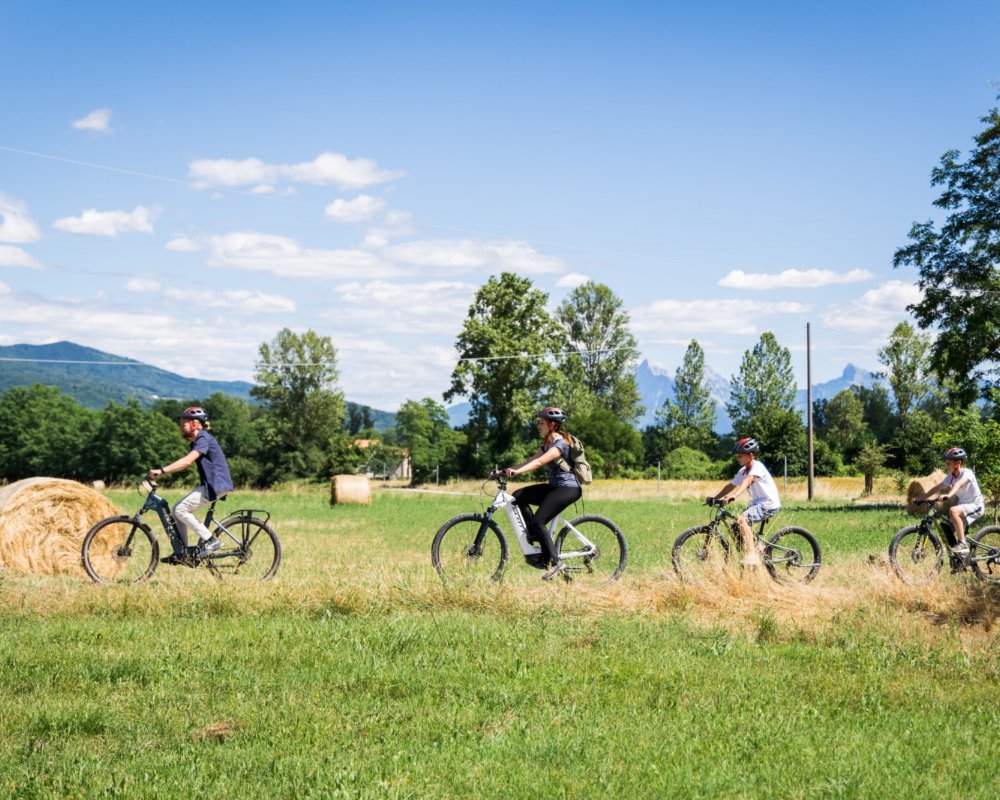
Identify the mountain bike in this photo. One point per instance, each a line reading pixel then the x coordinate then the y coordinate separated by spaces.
pixel 917 552
pixel 701 554
pixel 123 549
pixel 472 546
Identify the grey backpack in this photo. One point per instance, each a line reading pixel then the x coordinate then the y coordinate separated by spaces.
pixel 577 463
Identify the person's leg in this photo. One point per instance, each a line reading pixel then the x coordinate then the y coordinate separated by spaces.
pixel 528 496
pixel 747 519
pixel 961 516
pixel 184 513
pixel 556 499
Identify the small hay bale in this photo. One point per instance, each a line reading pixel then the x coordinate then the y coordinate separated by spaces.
pixel 919 487
pixel 350 489
pixel 43 522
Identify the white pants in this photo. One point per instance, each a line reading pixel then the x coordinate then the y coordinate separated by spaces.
pixel 184 514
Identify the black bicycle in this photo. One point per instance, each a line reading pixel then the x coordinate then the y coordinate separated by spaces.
pixel 791 555
pixel 917 552
pixel 123 549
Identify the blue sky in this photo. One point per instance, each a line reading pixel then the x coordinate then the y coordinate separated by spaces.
pixel 178 185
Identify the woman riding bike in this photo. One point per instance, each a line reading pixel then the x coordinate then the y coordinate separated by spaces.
pixel 562 490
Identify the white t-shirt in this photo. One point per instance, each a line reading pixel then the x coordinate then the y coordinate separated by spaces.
pixel 762 491
pixel 970 492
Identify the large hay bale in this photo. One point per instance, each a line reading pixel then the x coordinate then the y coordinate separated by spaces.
pixel 43 522
pixel 350 489
pixel 918 488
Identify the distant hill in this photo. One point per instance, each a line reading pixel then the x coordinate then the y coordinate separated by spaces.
pixel 95 378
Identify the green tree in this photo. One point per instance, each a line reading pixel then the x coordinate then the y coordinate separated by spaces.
pixel 877 411
pixel 613 445
pixel 689 419
pixel 422 427
pixel 303 433
pixel 843 425
pixel 762 404
pixel 129 440
pixel 957 264
pixel 507 366
pixel 44 433
pixel 604 349
pixel 905 359
pixel 870 462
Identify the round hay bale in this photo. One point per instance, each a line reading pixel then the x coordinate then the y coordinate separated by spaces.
pixel 350 489
pixel 43 522
pixel 919 487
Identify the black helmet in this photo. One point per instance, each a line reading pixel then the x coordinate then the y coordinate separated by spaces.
pixel 552 414
pixel 748 445
pixel 955 453
pixel 194 412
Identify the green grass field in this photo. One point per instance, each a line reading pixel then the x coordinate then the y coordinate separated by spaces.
pixel 356 673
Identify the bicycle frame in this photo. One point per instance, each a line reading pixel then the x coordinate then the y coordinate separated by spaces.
pixel 937 518
pixel 506 502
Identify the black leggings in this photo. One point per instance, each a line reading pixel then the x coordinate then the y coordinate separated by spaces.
pixel 550 501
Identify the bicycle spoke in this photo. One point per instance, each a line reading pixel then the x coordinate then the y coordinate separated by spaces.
pixel 985 554
pixel 592 547
pixel 792 555
pixel 916 555
pixel 700 555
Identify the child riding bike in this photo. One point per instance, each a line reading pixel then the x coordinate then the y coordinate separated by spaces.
pixel 961 483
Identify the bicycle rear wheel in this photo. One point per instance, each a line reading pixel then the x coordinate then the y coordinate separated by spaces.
pixel 250 549
pixel 120 550
pixel 916 555
pixel 985 554
pixel 607 557
pixel 792 555
pixel 700 555
pixel 469 547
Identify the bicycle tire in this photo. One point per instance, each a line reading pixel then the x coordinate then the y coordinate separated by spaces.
pixel 910 559
pixel 796 560
pixel 700 555
pixel 250 556
pixel 120 550
pixel 606 536
pixel 454 553
pixel 985 554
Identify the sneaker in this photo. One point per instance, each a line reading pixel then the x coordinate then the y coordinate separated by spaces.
pixel 961 549
pixel 209 546
pixel 556 569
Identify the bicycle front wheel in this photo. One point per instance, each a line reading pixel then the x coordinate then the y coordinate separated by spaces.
pixel 916 555
pixel 469 547
pixel 592 546
pixel 792 556
pixel 120 550
pixel 985 554
pixel 700 555
pixel 250 549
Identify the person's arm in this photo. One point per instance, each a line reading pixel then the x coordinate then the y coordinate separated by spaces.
pixel 942 489
pixel 539 459
pixel 179 465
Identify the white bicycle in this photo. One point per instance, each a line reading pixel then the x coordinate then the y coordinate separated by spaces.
pixel 473 546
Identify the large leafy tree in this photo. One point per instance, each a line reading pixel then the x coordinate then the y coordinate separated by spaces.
pixel 603 350
pixel 959 264
pixel 905 360
pixel 422 427
pixel 296 378
pixel 508 350
pixel 762 403
pixel 44 433
pixel 842 422
pixel 130 440
pixel 689 419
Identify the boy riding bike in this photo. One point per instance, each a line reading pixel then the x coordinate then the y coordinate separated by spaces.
pixel 753 478
pixel 960 482
pixel 214 479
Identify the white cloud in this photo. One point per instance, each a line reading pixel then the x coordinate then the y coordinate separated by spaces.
pixel 262 189
pixel 280 255
pixel 410 309
pixel 465 255
pixel 109 223
pixel 234 300
pixel 361 208
pixel 98 121
pixel 16 257
pixel 877 310
pixel 394 225
pixel 143 285
pixel 15 224
pixel 571 280
pixel 184 244
pixel 325 170
pixel 681 319
pixel 792 279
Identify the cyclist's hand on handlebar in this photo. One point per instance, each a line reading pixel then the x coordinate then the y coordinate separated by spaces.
pixel 154 473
